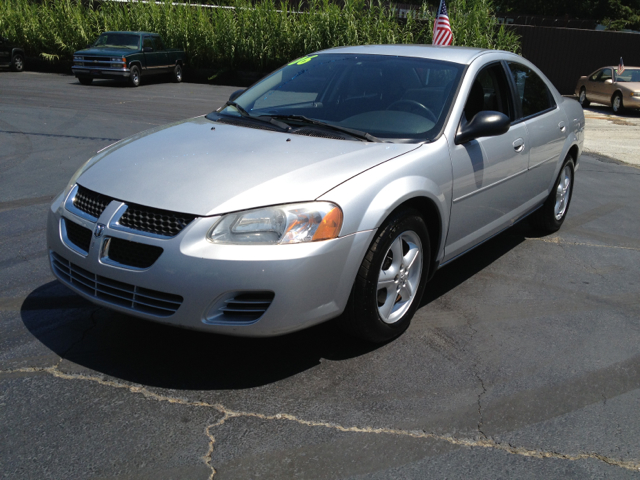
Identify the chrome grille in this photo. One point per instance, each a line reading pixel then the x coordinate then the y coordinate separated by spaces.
pixel 133 254
pixel 78 235
pixel 90 202
pixel 153 220
pixel 247 306
pixel 112 291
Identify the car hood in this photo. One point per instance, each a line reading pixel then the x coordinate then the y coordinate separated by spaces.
pixel 190 167
pixel 106 51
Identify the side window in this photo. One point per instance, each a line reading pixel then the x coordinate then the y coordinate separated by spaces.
pixel 157 44
pixel 490 91
pixel 534 95
pixel 147 42
pixel 594 77
pixel 606 75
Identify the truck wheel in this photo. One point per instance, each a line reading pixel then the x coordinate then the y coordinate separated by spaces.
pixel 134 78
pixel 85 80
pixel 176 76
pixel 17 63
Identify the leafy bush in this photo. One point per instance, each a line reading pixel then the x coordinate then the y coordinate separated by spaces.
pixel 250 37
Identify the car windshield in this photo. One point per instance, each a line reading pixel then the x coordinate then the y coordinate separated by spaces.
pixel 388 97
pixel 118 40
pixel 629 75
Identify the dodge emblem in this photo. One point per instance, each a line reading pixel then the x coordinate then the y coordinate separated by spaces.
pixel 99 229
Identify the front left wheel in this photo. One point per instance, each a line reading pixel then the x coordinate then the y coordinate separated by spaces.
pixel 134 76
pixel 616 103
pixel 389 285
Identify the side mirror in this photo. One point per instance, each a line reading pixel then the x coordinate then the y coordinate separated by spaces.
pixel 236 94
pixel 485 124
pixel 147 49
pixel 608 81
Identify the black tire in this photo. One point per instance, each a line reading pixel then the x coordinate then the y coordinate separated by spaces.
pixel 17 63
pixel 85 80
pixel 134 77
pixel 582 98
pixel 550 217
pixel 364 315
pixel 176 75
pixel 616 103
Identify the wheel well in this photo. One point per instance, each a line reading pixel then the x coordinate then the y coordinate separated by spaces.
pixel 431 216
pixel 573 152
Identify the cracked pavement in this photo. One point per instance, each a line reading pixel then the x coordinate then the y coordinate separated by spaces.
pixel 522 362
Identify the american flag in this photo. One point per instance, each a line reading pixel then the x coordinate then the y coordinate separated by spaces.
pixel 620 66
pixel 442 34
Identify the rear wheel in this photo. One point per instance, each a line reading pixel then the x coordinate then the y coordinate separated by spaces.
pixel 582 98
pixel 176 76
pixel 550 217
pixel 616 103
pixel 134 77
pixel 391 280
pixel 17 63
pixel 85 80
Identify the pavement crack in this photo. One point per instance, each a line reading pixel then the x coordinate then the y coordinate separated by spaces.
pixel 228 414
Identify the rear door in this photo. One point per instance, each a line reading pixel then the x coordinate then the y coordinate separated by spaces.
pixel 152 57
pixel 546 125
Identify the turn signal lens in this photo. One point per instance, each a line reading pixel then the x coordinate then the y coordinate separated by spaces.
pixel 329 226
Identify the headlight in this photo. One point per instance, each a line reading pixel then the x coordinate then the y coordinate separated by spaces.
pixel 635 94
pixel 77 59
pixel 302 222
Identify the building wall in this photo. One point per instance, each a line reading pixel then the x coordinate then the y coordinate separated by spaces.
pixel 565 54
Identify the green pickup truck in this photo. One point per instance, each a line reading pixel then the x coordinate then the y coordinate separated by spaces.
pixel 129 56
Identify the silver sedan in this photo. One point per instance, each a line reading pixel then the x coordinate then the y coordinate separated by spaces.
pixel 334 187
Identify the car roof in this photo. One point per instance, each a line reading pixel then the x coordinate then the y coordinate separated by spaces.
pixel 463 55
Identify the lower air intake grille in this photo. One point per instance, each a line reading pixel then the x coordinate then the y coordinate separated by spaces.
pixel 90 202
pixel 246 306
pixel 117 293
pixel 153 220
pixel 78 235
pixel 133 254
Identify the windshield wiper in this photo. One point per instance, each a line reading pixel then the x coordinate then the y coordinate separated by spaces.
pixel 262 118
pixel 351 131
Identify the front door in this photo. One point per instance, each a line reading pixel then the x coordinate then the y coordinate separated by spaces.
pixel 489 174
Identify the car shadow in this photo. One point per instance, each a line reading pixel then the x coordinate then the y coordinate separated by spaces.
pixel 164 356
pixel 606 110
pixel 460 270
pixel 123 83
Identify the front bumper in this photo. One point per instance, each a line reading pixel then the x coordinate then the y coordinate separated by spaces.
pixel 309 282
pixel 629 101
pixel 100 72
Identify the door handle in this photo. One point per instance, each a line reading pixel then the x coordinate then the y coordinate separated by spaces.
pixel 562 126
pixel 518 145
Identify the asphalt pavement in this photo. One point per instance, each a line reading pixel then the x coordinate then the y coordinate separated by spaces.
pixel 523 361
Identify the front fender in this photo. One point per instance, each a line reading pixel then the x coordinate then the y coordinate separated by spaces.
pixel 423 175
